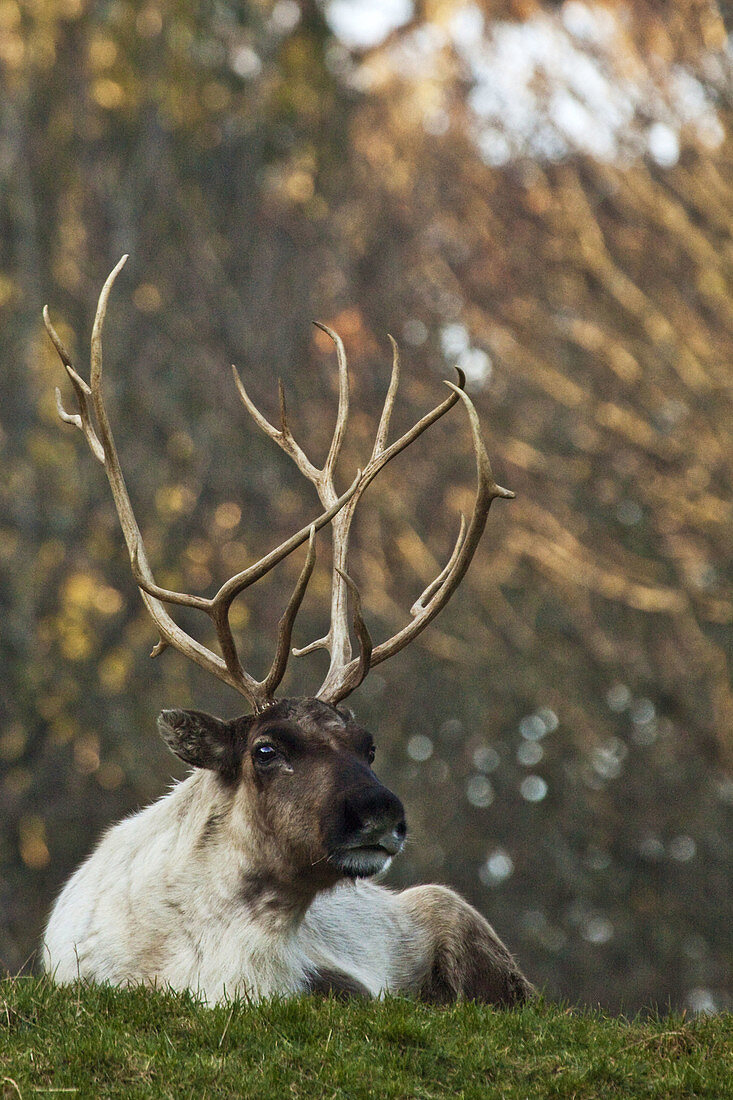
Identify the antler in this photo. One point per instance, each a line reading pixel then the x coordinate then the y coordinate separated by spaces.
pixel 101 442
pixel 345 674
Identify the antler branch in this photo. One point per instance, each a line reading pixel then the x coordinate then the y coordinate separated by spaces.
pixel 101 442
pixel 344 674
pixel 437 594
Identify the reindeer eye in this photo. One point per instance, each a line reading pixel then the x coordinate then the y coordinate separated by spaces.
pixel 265 753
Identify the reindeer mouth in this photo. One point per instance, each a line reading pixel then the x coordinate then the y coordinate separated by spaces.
pixel 360 860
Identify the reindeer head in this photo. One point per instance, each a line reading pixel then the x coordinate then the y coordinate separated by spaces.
pixel 304 793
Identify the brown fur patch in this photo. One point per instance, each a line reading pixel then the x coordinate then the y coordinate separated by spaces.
pixel 335 983
pixel 260 893
pixel 211 828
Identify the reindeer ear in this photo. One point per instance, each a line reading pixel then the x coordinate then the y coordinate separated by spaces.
pixel 200 739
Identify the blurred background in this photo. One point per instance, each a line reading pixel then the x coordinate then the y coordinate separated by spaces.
pixel 540 192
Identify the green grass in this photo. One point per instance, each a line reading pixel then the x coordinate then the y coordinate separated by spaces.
pixel 94 1041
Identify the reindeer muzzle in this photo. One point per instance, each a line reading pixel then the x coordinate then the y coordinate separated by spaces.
pixel 372 830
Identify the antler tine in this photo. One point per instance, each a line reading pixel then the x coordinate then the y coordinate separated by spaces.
pixel 421 601
pixel 283 437
pixel 435 597
pixel 384 421
pixel 342 414
pixel 285 628
pixel 101 441
pixel 365 642
pixel 82 420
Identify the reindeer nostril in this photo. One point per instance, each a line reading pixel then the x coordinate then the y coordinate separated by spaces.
pixel 400 829
pixel 353 818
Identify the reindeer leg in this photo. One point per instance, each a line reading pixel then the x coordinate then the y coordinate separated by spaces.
pixel 336 983
pixel 464 959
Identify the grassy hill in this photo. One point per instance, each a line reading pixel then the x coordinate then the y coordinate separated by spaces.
pixel 100 1042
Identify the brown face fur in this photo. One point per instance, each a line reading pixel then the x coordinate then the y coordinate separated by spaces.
pixel 303 786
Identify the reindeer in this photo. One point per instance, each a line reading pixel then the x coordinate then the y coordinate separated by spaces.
pixel 251 877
